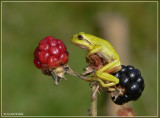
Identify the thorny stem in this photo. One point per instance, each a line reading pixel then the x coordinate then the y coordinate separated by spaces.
pixel 58 74
pixel 94 89
pixel 93 107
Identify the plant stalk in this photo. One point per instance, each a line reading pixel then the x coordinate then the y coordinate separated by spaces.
pixel 93 107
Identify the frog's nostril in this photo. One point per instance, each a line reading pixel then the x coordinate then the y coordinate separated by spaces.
pixel 72 37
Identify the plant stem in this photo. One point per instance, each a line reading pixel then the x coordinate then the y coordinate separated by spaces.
pixel 93 107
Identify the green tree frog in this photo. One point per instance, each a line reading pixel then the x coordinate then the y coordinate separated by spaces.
pixel 106 51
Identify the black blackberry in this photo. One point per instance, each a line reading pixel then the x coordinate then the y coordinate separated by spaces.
pixel 132 83
pixel 129 67
pixel 140 80
pixel 121 99
pixel 133 89
pixel 124 81
pixel 117 75
pixel 124 69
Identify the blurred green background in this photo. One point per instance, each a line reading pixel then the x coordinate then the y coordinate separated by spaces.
pixel 27 90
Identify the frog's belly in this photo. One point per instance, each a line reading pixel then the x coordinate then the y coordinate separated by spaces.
pixel 104 56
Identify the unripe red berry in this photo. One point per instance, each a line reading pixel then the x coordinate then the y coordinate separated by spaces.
pixel 43 57
pixel 54 51
pixel 36 53
pixel 50 53
pixel 53 62
pixel 59 41
pixel 64 58
pixel 49 37
pixel 43 41
pixel 62 47
pixel 37 63
pixel 52 42
pixel 44 47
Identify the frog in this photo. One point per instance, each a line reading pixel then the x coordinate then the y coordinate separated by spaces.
pixel 104 49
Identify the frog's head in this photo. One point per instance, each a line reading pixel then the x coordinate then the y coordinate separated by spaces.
pixel 83 40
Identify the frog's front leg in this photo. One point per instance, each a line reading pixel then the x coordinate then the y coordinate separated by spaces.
pixel 103 75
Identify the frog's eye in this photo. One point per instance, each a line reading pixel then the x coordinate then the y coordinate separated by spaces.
pixel 80 37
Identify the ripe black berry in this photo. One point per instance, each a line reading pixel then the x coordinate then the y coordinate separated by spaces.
pixel 131 82
pixel 132 74
pixel 129 67
pixel 117 75
pixel 121 99
pixel 142 87
pixel 124 69
pixel 118 100
pixel 133 89
pixel 140 80
pixel 126 98
pixel 137 95
pixel 138 72
pixel 125 81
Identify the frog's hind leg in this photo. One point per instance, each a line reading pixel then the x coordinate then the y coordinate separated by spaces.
pixel 105 84
pixel 103 75
pixel 92 79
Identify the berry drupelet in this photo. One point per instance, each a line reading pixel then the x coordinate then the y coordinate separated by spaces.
pixel 50 54
pixel 131 81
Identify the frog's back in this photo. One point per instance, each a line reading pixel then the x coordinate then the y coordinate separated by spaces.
pixel 107 48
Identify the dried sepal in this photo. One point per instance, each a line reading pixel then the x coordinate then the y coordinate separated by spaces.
pixel 59 73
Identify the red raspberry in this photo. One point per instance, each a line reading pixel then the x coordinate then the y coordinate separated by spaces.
pixel 43 57
pixel 43 41
pixel 52 42
pixel 62 47
pixel 50 53
pixel 64 58
pixel 36 53
pixel 54 51
pixel 37 63
pixel 53 62
pixel 44 47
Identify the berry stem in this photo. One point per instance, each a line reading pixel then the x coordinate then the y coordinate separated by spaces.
pixel 93 107
pixel 69 71
pixel 54 77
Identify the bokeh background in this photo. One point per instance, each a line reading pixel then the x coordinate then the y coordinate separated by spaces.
pixel 25 89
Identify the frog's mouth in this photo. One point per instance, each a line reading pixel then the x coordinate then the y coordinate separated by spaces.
pixel 82 46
